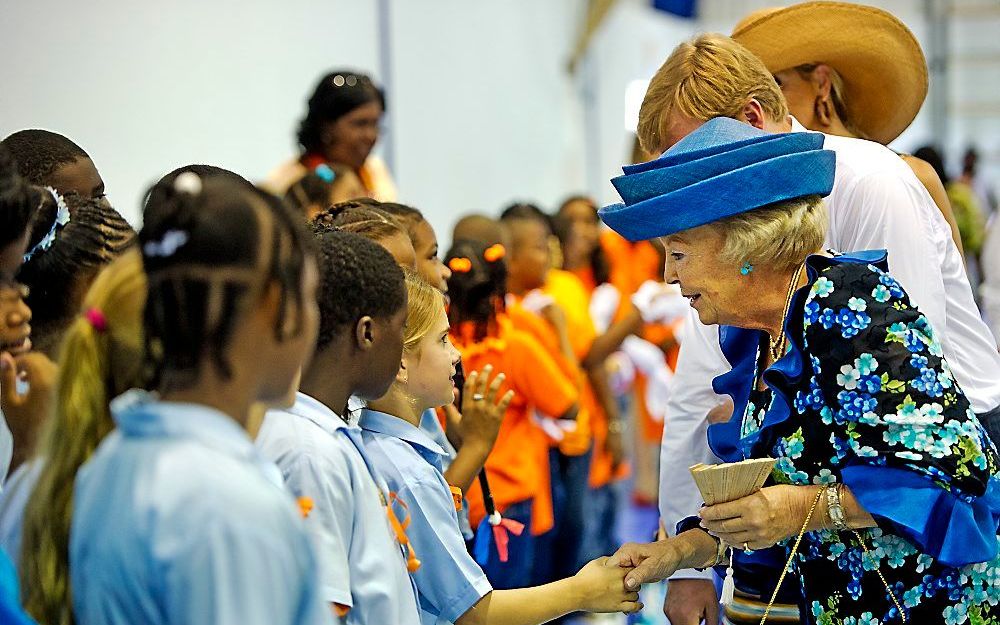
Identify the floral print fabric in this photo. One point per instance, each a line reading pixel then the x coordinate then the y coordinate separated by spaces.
pixel 877 392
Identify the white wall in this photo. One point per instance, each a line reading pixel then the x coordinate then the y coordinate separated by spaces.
pixel 146 87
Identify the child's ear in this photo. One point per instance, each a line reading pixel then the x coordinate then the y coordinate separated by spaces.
pixel 364 333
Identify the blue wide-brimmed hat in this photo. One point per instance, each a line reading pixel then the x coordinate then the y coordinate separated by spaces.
pixel 723 168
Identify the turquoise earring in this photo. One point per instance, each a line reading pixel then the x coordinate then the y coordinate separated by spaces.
pixel 746 268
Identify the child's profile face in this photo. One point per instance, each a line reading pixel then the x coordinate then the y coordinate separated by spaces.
pixel 294 352
pixel 15 318
pixel 80 177
pixel 429 264
pixel 530 255
pixel 431 367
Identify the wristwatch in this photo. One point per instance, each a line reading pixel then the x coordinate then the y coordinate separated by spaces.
pixel 834 509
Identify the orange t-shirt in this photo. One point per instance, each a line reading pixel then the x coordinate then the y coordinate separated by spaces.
pixel 518 466
pixel 571 292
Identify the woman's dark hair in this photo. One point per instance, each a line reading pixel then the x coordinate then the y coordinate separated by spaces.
pixel 357 278
pixel 18 200
pixel 561 227
pixel 477 286
pixel 364 218
pixel 40 152
pixel 210 247
pixel 58 277
pixel 337 94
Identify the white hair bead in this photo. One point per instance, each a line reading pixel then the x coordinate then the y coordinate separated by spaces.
pixel 188 182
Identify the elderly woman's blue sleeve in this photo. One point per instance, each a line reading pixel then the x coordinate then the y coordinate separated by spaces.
pixel 905 438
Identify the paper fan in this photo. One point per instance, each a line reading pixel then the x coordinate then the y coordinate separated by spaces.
pixel 720 483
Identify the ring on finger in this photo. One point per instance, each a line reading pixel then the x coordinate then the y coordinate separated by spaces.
pixel 477 397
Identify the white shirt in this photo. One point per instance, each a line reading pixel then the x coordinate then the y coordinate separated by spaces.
pixel 361 563
pixel 877 202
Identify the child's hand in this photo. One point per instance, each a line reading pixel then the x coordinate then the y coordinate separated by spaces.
pixel 601 588
pixel 482 413
pixel 26 411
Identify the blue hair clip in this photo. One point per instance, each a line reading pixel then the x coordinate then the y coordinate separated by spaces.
pixel 62 218
pixel 325 172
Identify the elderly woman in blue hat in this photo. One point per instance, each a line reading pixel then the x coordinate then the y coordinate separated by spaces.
pixel 886 491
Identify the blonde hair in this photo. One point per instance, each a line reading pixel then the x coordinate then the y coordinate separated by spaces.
pixel 779 235
pixel 706 77
pixel 424 307
pixel 96 364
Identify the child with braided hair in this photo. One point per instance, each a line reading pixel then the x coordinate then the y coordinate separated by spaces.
pixel 202 530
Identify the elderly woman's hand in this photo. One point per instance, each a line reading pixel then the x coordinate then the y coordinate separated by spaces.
pixel 762 519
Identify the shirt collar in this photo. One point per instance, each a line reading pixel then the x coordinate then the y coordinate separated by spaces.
pixel 382 423
pixel 797 127
pixel 317 412
pixel 149 417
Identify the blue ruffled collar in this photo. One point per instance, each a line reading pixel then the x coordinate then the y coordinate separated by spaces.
pixel 740 346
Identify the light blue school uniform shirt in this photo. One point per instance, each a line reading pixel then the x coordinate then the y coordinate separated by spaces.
pixel 361 563
pixel 179 520
pixel 429 423
pixel 449 581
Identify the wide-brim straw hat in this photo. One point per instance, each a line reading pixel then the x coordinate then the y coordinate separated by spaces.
pixel 724 168
pixel 882 66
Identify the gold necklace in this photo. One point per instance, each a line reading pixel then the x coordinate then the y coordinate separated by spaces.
pixel 776 346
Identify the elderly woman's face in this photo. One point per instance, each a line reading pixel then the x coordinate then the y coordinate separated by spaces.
pixel 715 288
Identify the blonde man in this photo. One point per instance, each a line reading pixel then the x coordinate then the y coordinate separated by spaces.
pixel 876 202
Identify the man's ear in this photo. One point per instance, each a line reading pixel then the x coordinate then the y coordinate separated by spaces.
pixel 364 333
pixel 753 114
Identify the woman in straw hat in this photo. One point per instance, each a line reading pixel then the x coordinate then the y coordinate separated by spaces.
pixel 849 70
pixel 886 490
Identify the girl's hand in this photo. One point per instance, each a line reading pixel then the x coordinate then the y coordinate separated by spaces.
pixel 27 383
pixel 600 587
pixel 482 412
pixel 762 519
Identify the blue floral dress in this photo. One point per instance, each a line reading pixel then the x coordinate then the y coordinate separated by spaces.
pixel 864 397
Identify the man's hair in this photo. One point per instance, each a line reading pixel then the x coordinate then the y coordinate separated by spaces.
pixel 706 77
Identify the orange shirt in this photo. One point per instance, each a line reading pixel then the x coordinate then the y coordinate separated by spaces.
pixel 518 466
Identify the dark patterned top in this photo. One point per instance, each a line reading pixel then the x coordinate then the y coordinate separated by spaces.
pixel 865 397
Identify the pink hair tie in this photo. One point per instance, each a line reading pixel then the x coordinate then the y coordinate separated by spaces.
pixel 96 319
